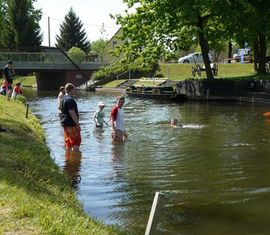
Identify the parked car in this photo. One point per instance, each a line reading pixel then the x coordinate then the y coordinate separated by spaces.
pixel 192 58
pixel 246 55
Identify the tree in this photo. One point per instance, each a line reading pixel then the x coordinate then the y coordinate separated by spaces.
pixel 72 33
pixel 3 23
pixel 160 26
pixel 76 54
pixel 99 46
pixel 246 21
pixel 23 23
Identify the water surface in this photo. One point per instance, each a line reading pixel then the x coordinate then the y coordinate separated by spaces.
pixel 214 170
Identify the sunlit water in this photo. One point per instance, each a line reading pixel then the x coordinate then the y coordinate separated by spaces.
pixel 214 171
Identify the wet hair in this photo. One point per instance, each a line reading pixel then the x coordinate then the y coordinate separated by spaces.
pixel 69 87
pixel 10 62
pixel 18 84
pixel 121 98
pixel 173 121
pixel 61 88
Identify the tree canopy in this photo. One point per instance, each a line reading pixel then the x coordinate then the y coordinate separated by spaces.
pixel 72 33
pixel 19 24
pixel 161 26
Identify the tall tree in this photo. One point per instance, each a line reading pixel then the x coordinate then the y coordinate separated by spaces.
pixel 6 39
pixel 72 33
pixel 99 46
pixel 159 25
pixel 23 20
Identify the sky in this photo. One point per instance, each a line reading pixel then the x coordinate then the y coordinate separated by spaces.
pixel 92 13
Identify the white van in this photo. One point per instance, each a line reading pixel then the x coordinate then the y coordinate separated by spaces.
pixel 193 57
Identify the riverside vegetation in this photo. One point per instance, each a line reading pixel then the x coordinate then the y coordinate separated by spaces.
pixel 35 195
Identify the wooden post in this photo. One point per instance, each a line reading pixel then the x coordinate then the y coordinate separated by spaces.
pixel 27 108
pixel 154 214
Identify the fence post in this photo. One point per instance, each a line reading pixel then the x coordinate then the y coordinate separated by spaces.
pixel 154 214
pixel 27 108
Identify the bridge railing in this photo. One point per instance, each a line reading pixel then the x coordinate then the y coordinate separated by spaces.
pixel 34 57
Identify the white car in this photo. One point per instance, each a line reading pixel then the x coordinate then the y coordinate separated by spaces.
pixel 193 57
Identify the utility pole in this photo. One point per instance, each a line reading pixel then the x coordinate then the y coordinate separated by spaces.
pixel 49 33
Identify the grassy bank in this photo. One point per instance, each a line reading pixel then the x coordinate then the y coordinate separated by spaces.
pixel 35 196
pixel 230 71
pixel 26 80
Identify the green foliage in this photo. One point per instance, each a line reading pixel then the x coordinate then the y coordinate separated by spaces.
pixel 137 69
pixel 72 33
pixel 23 28
pixel 21 99
pixel 76 54
pixel 99 47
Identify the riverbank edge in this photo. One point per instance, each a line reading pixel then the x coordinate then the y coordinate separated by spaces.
pixel 35 195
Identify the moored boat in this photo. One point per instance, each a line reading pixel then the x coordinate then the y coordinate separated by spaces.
pixel 164 93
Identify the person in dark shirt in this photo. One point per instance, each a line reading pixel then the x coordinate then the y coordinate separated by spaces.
pixel 70 119
pixel 8 73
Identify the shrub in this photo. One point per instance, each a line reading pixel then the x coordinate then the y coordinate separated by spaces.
pixel 137 69
pixel 76 54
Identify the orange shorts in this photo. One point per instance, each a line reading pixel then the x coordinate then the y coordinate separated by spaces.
pixel 72 136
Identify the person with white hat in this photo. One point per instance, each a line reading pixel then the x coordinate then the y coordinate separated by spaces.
pixel 99 116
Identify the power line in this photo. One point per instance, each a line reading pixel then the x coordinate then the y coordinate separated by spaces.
pixel 88 24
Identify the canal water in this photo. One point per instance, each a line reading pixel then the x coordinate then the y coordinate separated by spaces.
pixel 214 171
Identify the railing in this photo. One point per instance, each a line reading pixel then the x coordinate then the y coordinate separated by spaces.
pixel 34 57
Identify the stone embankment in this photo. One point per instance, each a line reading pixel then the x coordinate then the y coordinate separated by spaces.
pixel 256 91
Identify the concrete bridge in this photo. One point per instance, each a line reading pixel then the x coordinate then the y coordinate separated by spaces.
pixel 52 67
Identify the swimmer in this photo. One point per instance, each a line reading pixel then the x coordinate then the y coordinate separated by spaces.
pixel 174 123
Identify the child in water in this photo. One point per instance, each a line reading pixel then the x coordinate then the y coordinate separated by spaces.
pixel 99 116
pixel 174 123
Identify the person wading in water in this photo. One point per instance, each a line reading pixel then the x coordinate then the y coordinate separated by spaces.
pixel 70 119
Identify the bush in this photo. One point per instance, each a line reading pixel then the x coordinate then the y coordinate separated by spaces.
pixel 137 69
pixel 76 54
pixel 21 98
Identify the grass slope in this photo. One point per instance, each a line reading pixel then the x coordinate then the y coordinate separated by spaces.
pixel 228 71
pixel 25 80
pixel 35 196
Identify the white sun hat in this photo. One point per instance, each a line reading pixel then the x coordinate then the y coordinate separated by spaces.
pixel 101 104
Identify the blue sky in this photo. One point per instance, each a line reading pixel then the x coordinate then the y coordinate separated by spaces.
pixel 92 13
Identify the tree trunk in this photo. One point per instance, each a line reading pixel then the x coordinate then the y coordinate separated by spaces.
pixel 262 53
pixel 256 55
pixel 229 52
pixel 205 50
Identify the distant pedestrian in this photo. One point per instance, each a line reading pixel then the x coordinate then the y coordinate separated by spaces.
pixel 99 116
pixel 17 90
pixel 117 120
pixel 70 119
pixel 8 73
pixel 59 99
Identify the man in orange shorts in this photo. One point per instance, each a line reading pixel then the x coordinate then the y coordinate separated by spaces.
pixel 70 119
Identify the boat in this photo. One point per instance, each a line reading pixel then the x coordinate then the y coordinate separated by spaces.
pixel 163 92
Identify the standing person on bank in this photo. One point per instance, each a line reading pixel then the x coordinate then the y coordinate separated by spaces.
pixel 117 120
pixel 8 73
pixel 70 119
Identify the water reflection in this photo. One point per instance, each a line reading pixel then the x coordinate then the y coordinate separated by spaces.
pixel 72 167
pixel 214 170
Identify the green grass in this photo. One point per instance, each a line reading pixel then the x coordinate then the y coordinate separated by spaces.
pixel 25 80
pixel 229 71
pixel 114 83
pixel 35 195
pixel 147 82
